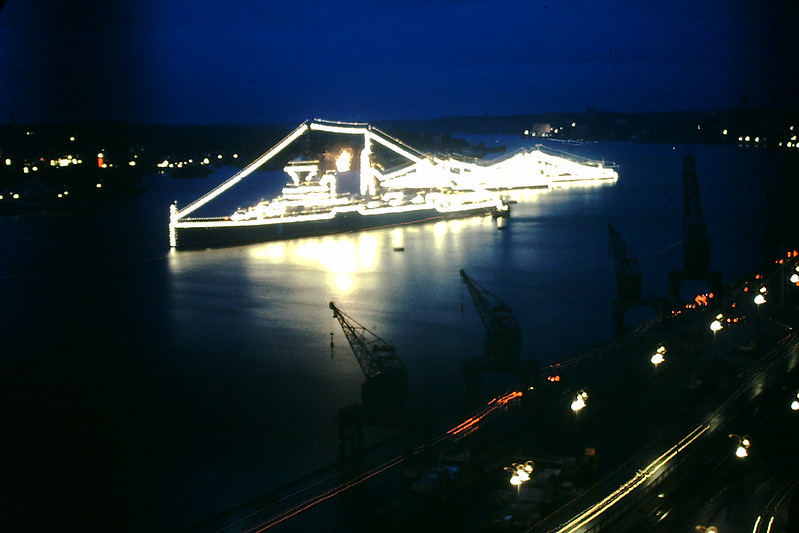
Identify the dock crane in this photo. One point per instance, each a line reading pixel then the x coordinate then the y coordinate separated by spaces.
pixel 628 278
pixel 628 281
pixel 384 394
pixel 696 242
pixel 386 382
pixel 503 341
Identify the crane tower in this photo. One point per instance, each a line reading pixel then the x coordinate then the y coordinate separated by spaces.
pixel 696 242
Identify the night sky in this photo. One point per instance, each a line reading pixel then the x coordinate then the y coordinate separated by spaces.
pixel 238 61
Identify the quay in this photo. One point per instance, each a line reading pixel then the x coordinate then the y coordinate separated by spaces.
pixel 654 443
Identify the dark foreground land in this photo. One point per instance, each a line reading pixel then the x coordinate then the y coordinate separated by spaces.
pixel 653 449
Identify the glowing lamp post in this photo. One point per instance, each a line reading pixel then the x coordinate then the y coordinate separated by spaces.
pixel 658 358
pixel 579 401
pixel 520 473
pixel 759 300
pixel 742 451
pixel 715 327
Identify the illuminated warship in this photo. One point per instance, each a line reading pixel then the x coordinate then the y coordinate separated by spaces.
pixel 323 198
pixel 537 167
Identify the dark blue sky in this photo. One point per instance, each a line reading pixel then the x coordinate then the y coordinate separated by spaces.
pixel 209 61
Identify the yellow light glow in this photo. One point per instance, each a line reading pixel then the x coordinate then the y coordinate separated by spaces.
pixel 8 162
pixel 741 452
pixel 344 160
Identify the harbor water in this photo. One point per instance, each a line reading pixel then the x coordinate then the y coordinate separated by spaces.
pixel 147 389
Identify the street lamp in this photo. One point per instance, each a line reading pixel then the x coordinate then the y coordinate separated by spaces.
pixel 742 450
pixel 579 401
pixel 658 358
pixel 759 300
pixel 795 403
pixel 520 473
pixel 715 327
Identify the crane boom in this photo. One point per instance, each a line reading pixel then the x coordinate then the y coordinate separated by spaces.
pixel 503 334
pixel 374 355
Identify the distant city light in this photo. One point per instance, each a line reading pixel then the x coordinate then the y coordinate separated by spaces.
pixel 8 161
pixel 724 131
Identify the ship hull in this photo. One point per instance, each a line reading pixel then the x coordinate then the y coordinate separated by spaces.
pixel 225 233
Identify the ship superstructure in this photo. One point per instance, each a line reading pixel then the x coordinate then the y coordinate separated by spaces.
pixel 350 190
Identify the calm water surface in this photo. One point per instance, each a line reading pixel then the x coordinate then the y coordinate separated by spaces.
pixel 147 390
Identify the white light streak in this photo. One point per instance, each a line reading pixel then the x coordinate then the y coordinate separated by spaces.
pixel 640 477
